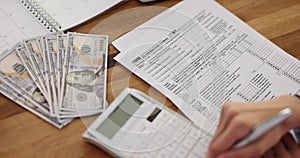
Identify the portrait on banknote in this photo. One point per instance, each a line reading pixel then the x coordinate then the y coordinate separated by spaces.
pixel 38 96
pixel 85 80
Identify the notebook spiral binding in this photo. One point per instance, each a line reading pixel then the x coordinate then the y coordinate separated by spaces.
pixel 41 15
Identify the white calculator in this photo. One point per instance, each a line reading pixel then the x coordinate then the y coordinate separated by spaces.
pixel 135 125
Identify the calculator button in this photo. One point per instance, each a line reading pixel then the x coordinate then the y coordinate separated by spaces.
pixel 168 130
pixel 180 123
pixel 179 134
pixel 163 154
pixel 195 133
pixel 139 128
pixel 181 151
pixel 199 149
pixel 150 132
pixel 160 139
pixel 143 143
pixel 165 116
pixel 188 143
pixel 180 138
pixel 158 124
pixel 171 147
pixel 183 127
pixel 175 121
pixel 205 140
pixel 153 147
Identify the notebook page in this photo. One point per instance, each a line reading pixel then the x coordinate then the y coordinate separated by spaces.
pixel 16 24
pixel 69 13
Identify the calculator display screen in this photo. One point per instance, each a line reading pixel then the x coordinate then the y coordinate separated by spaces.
pixel 112 124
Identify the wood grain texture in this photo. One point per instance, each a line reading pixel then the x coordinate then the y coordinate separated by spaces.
pixel 22 134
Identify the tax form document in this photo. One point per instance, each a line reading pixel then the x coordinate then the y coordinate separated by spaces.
pixel 200 55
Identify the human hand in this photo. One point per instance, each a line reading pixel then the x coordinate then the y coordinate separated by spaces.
pixel 238 119
pixel 285 148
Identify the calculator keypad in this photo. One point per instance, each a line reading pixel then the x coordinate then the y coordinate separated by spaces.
pixel 169 136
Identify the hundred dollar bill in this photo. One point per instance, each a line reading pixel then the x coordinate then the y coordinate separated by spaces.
pixel 36 56
pixel 21 53
pixel 17 98
pixel 61 47
pixel 84 73
pixel 51 52
pixel 34 51
pixel 13 73
pixel 44 52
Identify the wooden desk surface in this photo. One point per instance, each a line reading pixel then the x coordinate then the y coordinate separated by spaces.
pixel 22 134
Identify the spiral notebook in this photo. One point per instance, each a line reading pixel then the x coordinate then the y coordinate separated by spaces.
pixel 20 19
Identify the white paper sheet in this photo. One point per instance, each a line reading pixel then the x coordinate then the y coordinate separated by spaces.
pixel 199 55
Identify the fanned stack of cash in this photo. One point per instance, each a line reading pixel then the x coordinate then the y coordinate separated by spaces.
pixel 57 76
